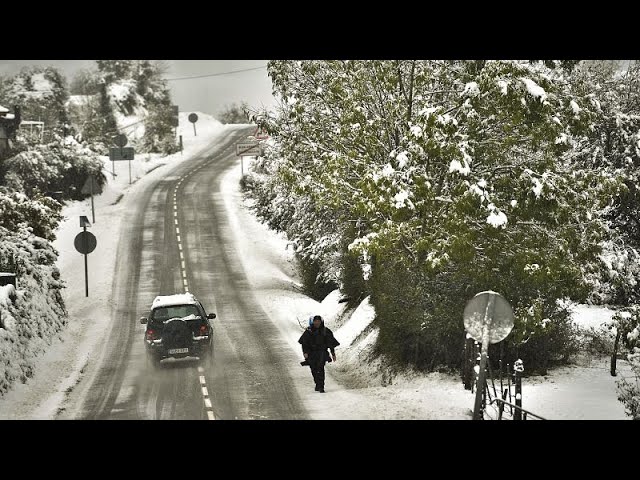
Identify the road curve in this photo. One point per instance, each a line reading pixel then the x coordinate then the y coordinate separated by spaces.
pixel 178 237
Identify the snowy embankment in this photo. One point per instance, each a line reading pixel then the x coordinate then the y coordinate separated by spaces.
pixel 60 368
pixel 360 386
pixel 32 311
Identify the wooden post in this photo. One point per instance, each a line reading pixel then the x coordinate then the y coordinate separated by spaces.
pixel 614 356
pixel 518 369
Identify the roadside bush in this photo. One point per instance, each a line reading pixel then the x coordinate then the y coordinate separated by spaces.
pixel 627 321
pixel 62 165
pixel 310 274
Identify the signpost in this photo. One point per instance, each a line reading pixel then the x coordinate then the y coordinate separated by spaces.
pixel 175 122
pixel 248 149
pixel 488 318
pixel 91 186
pixel 121 154
pixel 121 140
pixel 85 243
pixel 193 118
pixel 260 134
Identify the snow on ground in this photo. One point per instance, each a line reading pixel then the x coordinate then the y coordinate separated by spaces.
pixel 358 322
pixel 60 368
pixel 359 387
pixel 588 316
pixel 577 392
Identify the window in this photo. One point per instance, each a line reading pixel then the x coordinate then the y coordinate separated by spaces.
pixel 163 314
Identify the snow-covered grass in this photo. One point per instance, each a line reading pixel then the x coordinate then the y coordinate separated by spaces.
pixel 59 369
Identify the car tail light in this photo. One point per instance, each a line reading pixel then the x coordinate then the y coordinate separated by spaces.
pixel 203 330
pixel 150 335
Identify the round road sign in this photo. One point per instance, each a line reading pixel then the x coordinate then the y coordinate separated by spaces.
pixel 496 321
pixel 85 242
pixel 121 140
pixel 193 118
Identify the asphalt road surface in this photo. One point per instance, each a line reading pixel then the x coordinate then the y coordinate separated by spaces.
pixel 177 238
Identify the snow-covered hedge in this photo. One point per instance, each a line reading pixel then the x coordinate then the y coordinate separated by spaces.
pixel 34 312
pixel 42 214
pixel 627 321
pixel 62 165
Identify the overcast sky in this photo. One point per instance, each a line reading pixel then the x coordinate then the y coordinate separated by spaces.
pixel 209 94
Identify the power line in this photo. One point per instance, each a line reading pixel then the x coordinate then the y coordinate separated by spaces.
pixel 216 74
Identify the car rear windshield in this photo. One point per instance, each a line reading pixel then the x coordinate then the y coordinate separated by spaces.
pixel 165 313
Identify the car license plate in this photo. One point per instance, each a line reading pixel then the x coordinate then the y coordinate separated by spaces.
pixel 178 350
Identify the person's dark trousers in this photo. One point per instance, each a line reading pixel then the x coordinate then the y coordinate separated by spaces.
pixel 316 363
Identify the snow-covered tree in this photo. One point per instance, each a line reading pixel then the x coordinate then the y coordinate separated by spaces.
pixel 612 142
pixel 234 113
pixel 60 165
pixel 455 175
pixel 42 94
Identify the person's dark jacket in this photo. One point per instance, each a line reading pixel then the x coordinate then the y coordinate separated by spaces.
pixel 315 342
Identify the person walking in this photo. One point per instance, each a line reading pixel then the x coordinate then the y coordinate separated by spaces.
pixel 315 341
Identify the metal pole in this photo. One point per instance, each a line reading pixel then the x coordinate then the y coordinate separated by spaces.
pixel 477 410
pixel 113 169
pixel 86 268
pixel 129 172
pixel 93 211
pixel 194 130
pixel 478 413
pixel 181 144
pixel 241 166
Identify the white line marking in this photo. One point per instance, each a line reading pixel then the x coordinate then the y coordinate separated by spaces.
pixel 181 254
pixel 202 380
pixel 180 247
pixel 207 403
pixel 177 230
pixel 178 238
pixel 210 416
pixel 183 265
pixel 175 207
pixel 175 214
pixel 176 220
pixel 200 369
pixel 205 392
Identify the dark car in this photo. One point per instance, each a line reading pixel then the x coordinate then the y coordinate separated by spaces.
pixel 178 327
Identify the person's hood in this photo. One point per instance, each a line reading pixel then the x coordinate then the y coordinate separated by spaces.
pixel 311 322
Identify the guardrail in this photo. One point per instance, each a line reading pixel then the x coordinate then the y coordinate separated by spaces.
pixel 504 403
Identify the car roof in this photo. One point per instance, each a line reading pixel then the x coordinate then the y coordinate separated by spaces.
pixel 171 300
